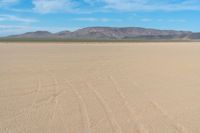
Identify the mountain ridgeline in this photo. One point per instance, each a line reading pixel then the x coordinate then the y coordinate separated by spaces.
pixel 111 33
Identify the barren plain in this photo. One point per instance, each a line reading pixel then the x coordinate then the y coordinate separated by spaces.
pixel 100 87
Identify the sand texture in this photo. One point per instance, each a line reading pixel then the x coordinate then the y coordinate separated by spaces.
pixel 100 87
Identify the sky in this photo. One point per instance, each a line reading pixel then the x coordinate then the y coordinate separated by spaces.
pixel 19 16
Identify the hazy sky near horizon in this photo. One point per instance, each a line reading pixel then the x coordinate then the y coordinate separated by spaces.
pixel 19 16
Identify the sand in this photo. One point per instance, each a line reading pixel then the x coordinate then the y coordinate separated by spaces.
pixel 100 87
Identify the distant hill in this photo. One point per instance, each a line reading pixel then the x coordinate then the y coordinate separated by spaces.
pixel 111 33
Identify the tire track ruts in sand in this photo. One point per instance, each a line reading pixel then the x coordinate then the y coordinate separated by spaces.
pixel 83 109
pixel 109 114
pixel 36 94
pixel 116 86
pixel 140 127
pixel 55 100
pixel 97 123
pixel 57 92
pixel 25 111
pixel 177 126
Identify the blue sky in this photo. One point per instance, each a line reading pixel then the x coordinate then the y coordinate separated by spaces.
pixel 19 16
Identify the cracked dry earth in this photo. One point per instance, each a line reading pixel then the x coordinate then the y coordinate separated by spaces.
pixel 99 87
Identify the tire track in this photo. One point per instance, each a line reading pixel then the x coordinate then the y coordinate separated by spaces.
pixel 54 99
pixel 109 114
pixel 36 94
pixel 54 96
pixel 26 111
pixel 34 99
pixel 177 126
pixel 180 128
pixel 17 130
pixel 140 127
pixel 127 105
pixel 20 94
pixel 98 122
pixel 83 109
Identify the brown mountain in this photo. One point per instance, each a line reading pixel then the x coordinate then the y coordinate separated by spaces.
pixel 112 33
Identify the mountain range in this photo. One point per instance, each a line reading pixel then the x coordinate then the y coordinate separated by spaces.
pixel 111 33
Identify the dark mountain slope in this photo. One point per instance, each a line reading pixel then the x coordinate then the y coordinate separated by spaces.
pixel 112 33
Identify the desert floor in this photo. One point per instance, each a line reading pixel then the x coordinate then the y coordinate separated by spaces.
pixel 99 87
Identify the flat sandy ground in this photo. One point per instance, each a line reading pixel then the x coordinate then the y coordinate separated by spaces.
pixel 99 87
